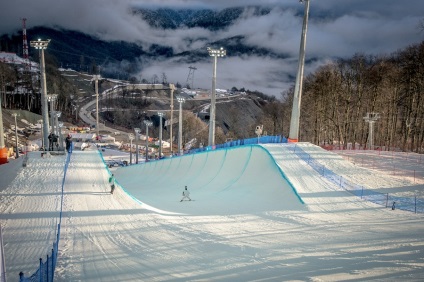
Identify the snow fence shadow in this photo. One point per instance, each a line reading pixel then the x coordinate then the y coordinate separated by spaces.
pixel 413 204
pixel 45 271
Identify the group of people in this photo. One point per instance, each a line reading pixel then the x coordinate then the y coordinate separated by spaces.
pixel 53 141
pixel 53 138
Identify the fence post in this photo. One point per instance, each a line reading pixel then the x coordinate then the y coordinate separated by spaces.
pixel 53 257
pixel 40 270
pixel 47 268
pixel 387 200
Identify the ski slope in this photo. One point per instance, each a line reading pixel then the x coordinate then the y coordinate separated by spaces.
pixel 259 214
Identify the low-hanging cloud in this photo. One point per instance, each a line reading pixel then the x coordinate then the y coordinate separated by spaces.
pixel 336 29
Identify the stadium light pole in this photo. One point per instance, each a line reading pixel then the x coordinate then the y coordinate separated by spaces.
pixel 147 123
pixel 181 100
pixel 131 137
pixel 215 53
pixel 42 45
pixel 295 115
pixel 16 135
pixel 160 114
pixel 171 137
pixel 137 132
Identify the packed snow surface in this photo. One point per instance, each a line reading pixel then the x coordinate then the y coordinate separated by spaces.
pixel 258 213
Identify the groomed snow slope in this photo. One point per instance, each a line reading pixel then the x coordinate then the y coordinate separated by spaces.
pixel 222 182
pixel 246 223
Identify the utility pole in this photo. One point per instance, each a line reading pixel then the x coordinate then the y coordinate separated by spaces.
pixel 295 115
pixel 371 118
pixel 42 45
pixel 215 53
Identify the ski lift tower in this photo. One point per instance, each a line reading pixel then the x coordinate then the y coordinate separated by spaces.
pixel 190 77
pixel 371 118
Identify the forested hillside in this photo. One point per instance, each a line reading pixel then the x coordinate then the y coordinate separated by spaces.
pixel 335 100
pixel 338 96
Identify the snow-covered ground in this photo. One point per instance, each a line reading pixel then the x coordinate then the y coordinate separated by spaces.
pixel 259 214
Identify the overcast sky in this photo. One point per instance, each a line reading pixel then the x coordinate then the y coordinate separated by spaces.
pixel 337 28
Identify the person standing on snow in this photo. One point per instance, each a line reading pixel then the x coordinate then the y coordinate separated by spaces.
pixel 68 142
pixel 186 194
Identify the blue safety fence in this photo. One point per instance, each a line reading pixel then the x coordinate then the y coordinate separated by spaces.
pixel 413 204
pixel 241 142
pixel 45 271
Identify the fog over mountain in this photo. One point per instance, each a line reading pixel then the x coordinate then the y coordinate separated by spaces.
pixel 336 29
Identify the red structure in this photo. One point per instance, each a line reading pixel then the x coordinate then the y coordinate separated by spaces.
pixel 25 45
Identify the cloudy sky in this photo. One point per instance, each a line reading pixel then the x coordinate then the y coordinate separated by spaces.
pixel 336 29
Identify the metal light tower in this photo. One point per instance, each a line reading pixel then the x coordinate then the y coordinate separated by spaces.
pixel 147 123
pixel 96 86
pixel 371 118
pixel 16 135
pixel 137 132
pixel 131 137
pixel 181 100
pixel 42 45
pixel 215 53
pixel 295 115
pixel 160 114
pixel 171 137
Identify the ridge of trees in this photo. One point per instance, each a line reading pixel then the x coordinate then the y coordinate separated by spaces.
pixel 337 97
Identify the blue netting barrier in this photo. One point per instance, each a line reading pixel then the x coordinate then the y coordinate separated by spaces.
pixel 45 271
pixel 241 142
pixel 413 204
